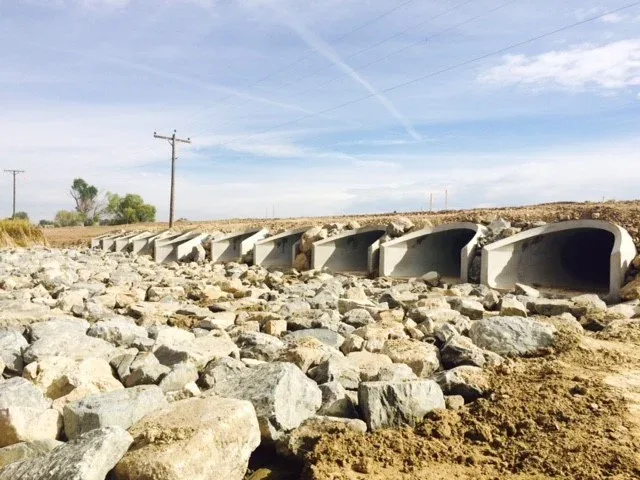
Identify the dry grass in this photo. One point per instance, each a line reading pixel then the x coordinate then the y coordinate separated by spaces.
pixel 20 233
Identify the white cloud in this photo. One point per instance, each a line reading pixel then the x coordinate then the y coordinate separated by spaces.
pixel 607 67
pixel 614 18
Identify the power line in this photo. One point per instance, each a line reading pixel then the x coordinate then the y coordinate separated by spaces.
pixel 15 173
pixel 309 55
pixel 172 141
pixel 455 7
pixel 433 74
pixel 411 45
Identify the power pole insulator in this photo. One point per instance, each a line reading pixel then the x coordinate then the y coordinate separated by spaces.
pixel 172 141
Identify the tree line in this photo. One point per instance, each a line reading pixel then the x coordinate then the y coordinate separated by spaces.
pixel 110 209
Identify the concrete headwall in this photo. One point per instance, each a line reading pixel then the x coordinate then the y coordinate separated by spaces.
pixel 278 251
pixel 352 251
pixel 234 246
pixel 121 242
pixel 143 244
pixel 580 255
pixel 447 249
pixel 176 248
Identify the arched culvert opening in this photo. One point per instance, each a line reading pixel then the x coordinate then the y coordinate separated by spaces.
pixel 447 250
pixel 234 246
pixel 580 256
pixel 278 251
pixel 353 251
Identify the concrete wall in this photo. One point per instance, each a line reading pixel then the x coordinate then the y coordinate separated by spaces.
pixel 581 255
pixel 122 242
pixel 104 240
pixel 352 251
pixel 176 248
pixel 234 246
pixel 278 251
pixel 447 249
pixel 143 243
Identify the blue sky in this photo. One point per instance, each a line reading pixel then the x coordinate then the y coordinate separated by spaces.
pixel 85 83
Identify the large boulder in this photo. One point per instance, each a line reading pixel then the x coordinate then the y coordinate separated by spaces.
pixel 195 439
pixel 72 345
pixel 467 381
pixel 24 450
pixel 89 457
pixel 58 377
pixel 395 404
pixel 423 358
pixel 25 414
pixel 120 331
pixel 512 335
pixel 281 394
pixel 198 351
pixel 12 343
pixel 57 326
pixel 123 408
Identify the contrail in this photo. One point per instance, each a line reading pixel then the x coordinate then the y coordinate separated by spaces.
pixel 324 49
pixel 176 77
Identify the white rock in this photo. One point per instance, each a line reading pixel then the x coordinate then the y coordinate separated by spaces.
pixel 195 439
pixel 395 404
pixel 12 343
pixel 68 344
pixel 89 457
pixel 512 335
pixel 123 408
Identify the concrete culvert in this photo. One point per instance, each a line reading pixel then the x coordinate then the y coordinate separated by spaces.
pixel 352 251
pixel 583 255
pixel 234 246
pixel 447 249
pixel 278 251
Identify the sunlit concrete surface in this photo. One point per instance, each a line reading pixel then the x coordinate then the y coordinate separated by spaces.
pixel 123 241
pixel 352 251
pixel 447 249
pixel 143 243
pixel 580 255
pixel 234 246
pixel 98 242
pixel 176 248
pixel 278 251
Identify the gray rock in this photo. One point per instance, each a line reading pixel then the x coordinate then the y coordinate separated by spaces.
pixel 358 317
pixel 335 401
pixel 468 307
pixel 328 337
pixel 122 408
pixel 26 450
pixel 68 344
pixel 149 374
pixel 120 331
pixel 12 343
pixel 197 351
pixel 397 372
pixel 221 370
pixel 179 376
pixel 259 346
pixel 510 307
pixel 459 350
pixel 396 404
pixel 551 307
pixel 512 335
pixel 281 394
pixel 337 369
pixel 525 290
pixel 467 381
pixel 55 326
pixel 89 457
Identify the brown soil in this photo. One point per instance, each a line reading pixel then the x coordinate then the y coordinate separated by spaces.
pixel 626 214
pixel 563 416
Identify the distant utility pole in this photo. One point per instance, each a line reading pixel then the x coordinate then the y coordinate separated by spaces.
pixel 446 200
pixel 431 202
pixel 15 173
pixel 172 141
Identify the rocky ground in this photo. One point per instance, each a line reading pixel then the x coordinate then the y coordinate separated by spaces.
pixel 115 367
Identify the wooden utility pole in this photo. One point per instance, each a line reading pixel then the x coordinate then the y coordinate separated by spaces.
pixel 172 141
pixel 431 202
pixel 446 200
pixel 15 173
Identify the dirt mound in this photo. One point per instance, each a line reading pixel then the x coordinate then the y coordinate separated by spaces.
pixel 544 418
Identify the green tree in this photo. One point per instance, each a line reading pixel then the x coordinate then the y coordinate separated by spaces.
pixel 129 209
pixel 44 223
pixel 67 218
pixel 87 204
pixel 21 216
